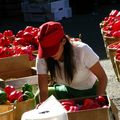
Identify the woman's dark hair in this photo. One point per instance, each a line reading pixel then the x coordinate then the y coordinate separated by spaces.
pixel 69 64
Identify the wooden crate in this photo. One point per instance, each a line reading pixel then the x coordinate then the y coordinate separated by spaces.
pixel 112 53
pixel 109 40
pixel 7 112
pixel 117 64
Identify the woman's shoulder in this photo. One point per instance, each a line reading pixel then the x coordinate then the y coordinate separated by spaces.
pixel 80 47
pixel 79 44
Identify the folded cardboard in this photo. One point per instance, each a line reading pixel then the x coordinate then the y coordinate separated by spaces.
pixel 90 114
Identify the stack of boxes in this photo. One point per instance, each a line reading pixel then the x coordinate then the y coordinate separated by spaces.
pixel 42 11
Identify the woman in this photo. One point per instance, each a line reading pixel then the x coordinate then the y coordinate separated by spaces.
pixel 73 65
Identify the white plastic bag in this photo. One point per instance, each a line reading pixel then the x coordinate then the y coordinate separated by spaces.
pixel 51 109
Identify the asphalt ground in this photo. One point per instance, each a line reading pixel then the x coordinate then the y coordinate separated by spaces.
pixel 86 24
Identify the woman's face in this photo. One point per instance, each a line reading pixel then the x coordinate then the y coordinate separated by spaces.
pixel 59 54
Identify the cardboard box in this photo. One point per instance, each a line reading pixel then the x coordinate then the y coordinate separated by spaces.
pixel 62 13
pixel 45 11
pixel 90 114
pixel 43 7
pixel 15 67
pixel 18 70
pixel 59 4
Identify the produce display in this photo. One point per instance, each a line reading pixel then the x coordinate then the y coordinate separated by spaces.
pixel 23 42
pixel 10 94
pixel 73 105
pixel 111 24
pixel 115 46
pixel 110 30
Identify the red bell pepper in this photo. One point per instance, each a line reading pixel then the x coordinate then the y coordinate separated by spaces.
pixel 8 89
pixel 16 95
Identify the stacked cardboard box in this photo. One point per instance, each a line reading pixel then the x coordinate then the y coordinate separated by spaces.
pixel 45 10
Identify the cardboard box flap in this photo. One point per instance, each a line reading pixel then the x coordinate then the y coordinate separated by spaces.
pixel 14 63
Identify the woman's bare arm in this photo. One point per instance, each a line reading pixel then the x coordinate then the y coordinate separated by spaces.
pixel 43 86
pixel 98 70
